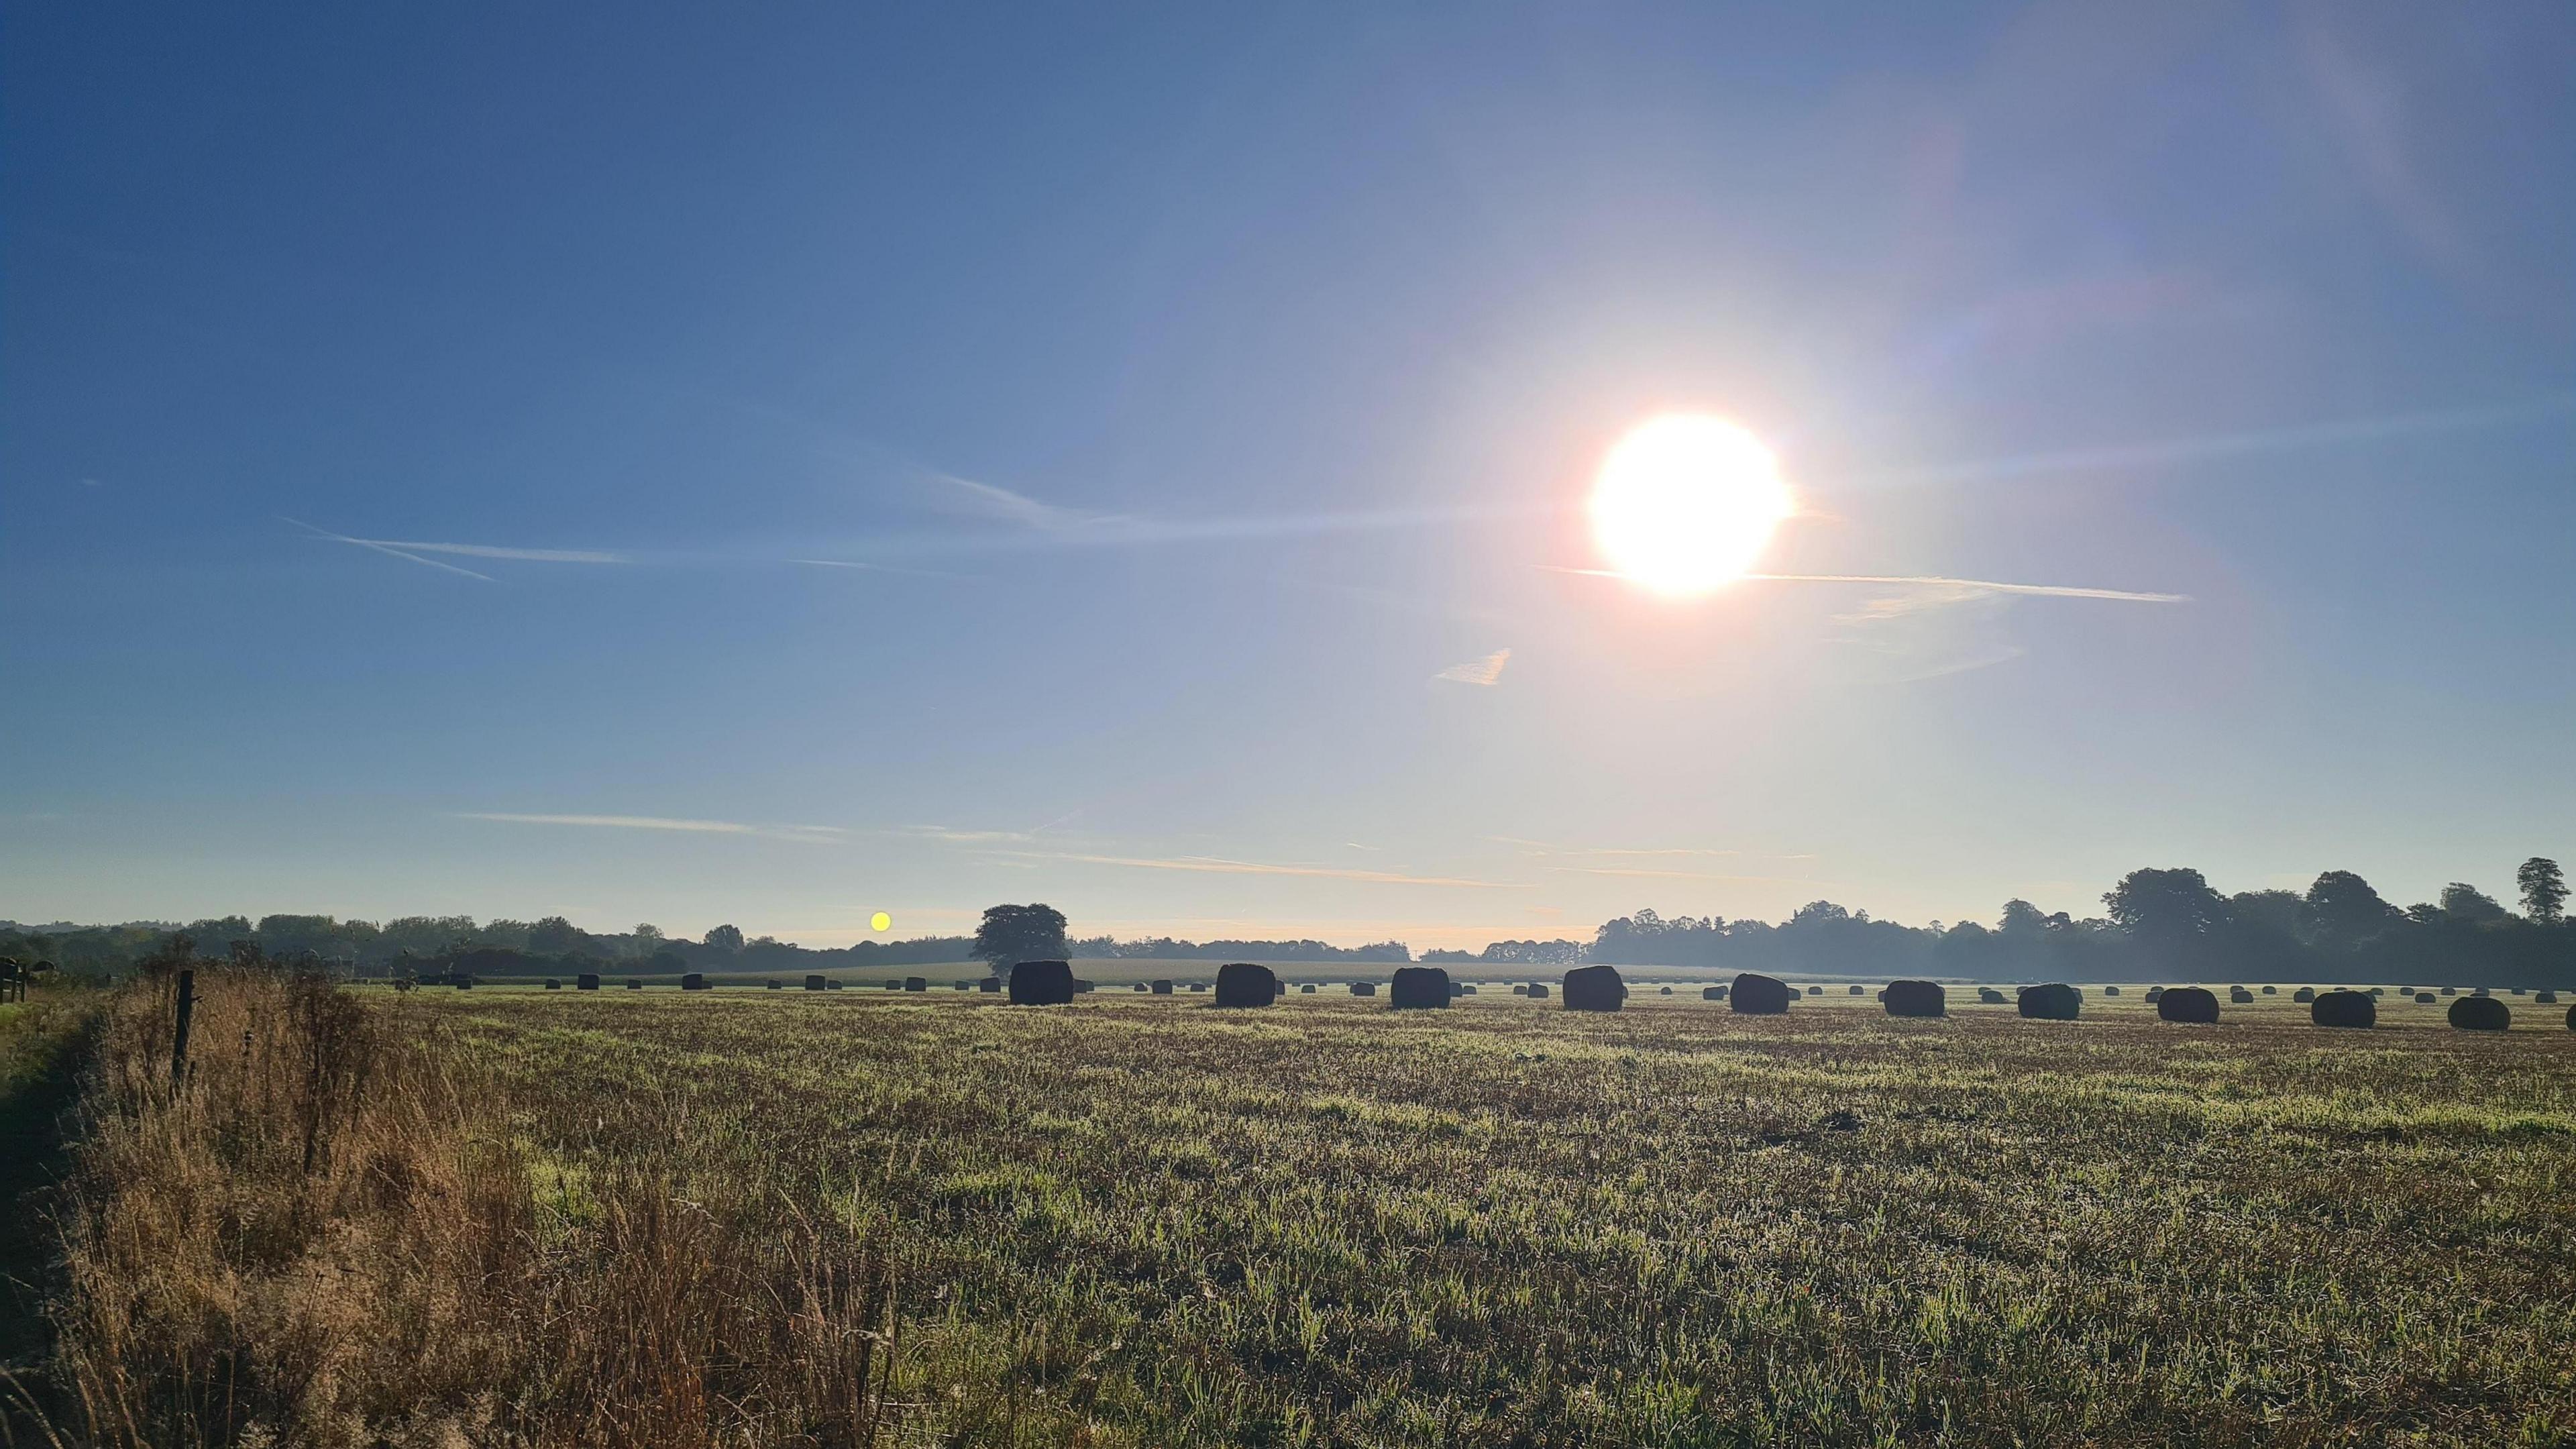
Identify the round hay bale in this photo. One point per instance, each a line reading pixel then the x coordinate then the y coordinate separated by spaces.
pixel 2571 1018
pixel 963 985
pixel 916 983
pixel 777 985
pixel 2110 991
pixel 991 985
pixel 1594 988
pixel 834 985
pixel 2350 1010
pixel 587 981
pixel 1538 991
pixel 817 983
pixel 2379 991
pixel 1815 991
pixel 2055 1001
pixel 1241 983
pixel 2516 990
pixel 1757 995
pixel 2423 998
pixel 1856 990
pixel 1306 990
pixel 1418 988
pixel 2271 991
pixel 1521 990
pixel 2306 994
pixel 1666 990
pixel 553 985
pixel 1141 988
pixel 1199 987
pixel 1162 987
pixel 634 985
pixel 1915 998
pixel 2240 996
pixel 1082 987
pixel 1456 990
pixel 1990 996
pixel 2450 991
pixel 1712 993
pixel 2545 998
pixel 2189 1004
pixel 1363 988
pixel 1042 983
pixel 694 981
pixel 2481 991
pixel 2480 1013
pixel 1467 990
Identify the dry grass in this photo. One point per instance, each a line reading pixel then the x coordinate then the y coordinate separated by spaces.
pixel 640 1219
pixel 330 1235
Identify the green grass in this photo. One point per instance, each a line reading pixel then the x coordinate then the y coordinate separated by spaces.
pixel 1141 1221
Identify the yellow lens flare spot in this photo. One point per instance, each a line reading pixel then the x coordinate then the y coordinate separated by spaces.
pixel 1686 502
pixel 880 922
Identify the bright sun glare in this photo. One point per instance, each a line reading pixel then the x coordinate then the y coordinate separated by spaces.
pixel 1685 503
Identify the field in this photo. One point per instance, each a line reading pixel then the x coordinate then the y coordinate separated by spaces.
pixel 1140 1221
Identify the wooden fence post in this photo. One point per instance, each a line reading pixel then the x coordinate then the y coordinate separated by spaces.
pixel 179 1038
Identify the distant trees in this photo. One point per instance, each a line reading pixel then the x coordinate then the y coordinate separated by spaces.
pixel 727 939
pixel 2167 911
pixel 2464 902
pixel 2346 911
pixel 1011 934
pixel 555 936
pixel 2544 891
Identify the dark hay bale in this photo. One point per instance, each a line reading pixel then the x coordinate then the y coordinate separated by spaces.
pixel 2571 1018
pixel 1856 991
pixel 2423 998
pixel 1084 988
pixel 2450 991
pixel 817 983
pixel 891 985
pixel 2307 994
pixel 1363 988
pixel 1538 991
pixel 2240 996
pixel 2481 991
pixel 464 983
pixel 1990 996
pixel 1162 988
pixel 553 985
pixel 962 985
pixel 1915 998
pixel 2189 1004
pixel 1467 990
pixel 1754 995
pixel 1456 990
pixel 2356 1010
pixel 1242 983
pixel 2271 991
pixel 2545 998
pixel 2055 1001
pixel 916 983
pixel 1815 991
pixel 1712 993
pixel 2480 1013
pixel 1594 988
pixel 2155 994
pixel 1308 989
pixel 587 981
pixel 991 984
pixel 1141 987
pixel 834 986
pixel 1521 990
pixel 2110 991
pixel 634 985
pixel 2379 991
pixel 777 985
pixel 1667 991
pixel 1198 986
pixel 1042 983
pixel 1418 988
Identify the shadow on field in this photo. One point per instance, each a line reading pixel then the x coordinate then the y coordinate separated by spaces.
pixel 43 1048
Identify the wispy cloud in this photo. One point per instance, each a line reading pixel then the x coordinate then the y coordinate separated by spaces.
pixel 1003 505
pixel 1487 671
pixel 413 550
pixel 1212 865
pixel 805 834
pixel 1965 588
pixel 879 568
pixel 1648 874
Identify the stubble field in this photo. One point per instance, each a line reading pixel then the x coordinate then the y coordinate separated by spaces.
pixel 1139 1220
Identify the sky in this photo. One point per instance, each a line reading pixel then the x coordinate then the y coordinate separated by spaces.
pixel 771 465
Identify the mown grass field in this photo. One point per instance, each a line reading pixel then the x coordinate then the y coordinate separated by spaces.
pixel 1139 1220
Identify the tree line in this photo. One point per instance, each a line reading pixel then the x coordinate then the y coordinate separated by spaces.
pixel 2155 923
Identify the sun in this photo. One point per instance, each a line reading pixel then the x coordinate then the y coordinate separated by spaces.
pixel 1685 503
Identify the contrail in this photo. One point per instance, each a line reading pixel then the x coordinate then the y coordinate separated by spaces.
pixel 383 548
pixel 2052 591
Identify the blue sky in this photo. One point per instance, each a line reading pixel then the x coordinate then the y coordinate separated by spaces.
pixel 1211 396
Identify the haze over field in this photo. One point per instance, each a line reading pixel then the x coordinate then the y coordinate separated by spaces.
pixel 1447 476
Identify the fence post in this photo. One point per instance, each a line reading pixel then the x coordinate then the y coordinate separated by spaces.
pixel 179 1038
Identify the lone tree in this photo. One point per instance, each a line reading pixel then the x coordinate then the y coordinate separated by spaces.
pixel 2166 911
pixel 2544 890
pixel 2347 911
pixel 1012 934
pixel 725 938
pixel 2466 902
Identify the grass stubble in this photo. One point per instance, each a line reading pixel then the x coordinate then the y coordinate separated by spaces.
pixel 733 1218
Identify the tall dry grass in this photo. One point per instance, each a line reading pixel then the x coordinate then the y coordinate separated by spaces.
pixel 329 1235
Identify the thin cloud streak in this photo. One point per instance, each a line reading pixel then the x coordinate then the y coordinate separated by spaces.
pixel 384 548
pixel 806 834
pixel 412 550
pixel 1486 672
pixel 1211 865
pixel 1990 586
